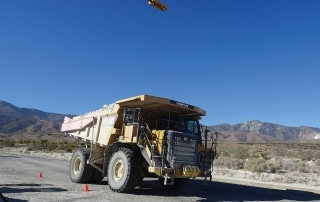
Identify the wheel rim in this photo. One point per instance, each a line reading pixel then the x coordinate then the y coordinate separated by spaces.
pixel 118 170
pixel 77 165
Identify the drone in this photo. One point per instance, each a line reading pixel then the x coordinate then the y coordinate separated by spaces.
pixel 158 4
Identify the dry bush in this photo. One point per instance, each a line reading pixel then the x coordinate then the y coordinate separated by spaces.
pixel 229 162
pixel 306 155
pixel 317 162
pixel 288 165
pixel 36 145
pixel 282 151
pixel 256 165
pixel 270 157
pixel 273 165
pixel 237 151
pixel 241 152
pixel 303 167
pixel 8 143
pixel 223 153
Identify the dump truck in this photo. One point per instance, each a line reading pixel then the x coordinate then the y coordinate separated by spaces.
pixel 140 137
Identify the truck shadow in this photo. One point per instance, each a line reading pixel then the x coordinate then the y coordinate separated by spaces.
pixel 20 188
pixel 8 156
pixel 23 188
pixel 218 191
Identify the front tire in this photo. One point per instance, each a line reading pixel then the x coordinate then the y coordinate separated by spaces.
pixel 123 170
pixel 80 171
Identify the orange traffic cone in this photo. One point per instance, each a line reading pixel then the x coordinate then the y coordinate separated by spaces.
pixel 40 174
pixel 86 188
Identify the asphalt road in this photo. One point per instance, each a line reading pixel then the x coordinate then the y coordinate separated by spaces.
pixel 20 181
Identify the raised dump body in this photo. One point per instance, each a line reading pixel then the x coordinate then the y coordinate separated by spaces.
pixel 141 136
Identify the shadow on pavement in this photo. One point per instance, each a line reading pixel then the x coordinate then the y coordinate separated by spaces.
pixel 9 156
pixel 23 188
pixel 7 199
pixel 218 191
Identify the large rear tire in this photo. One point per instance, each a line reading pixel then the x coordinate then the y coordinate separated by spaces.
pixel 123 170
pixel 96 177
pixel 80 171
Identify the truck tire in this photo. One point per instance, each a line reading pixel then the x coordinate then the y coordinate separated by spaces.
pixel 179 184
pixel 80 171
pixel 96 177
pixel 123 171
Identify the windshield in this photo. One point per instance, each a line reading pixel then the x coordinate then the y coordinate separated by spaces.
pixel 191 126
pixel 170 120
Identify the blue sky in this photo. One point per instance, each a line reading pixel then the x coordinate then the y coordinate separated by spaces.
pixel 240 60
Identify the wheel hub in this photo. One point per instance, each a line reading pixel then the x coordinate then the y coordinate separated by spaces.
pixel 118 170
pixel 77 165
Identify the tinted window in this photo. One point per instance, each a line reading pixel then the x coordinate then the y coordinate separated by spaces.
pixel 191 126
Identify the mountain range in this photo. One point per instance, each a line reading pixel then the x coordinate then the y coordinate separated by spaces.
pixel 257 131
pixel 34 124
pixel 30 124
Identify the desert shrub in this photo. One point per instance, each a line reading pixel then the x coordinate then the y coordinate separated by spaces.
pixel 306 155
pixel 259 155
pixel 317 162
pixel 315 154
pixel 36 145
pixel 256 165
pixel 296 165
pixel 290 153
pixel 224 153
pixel 279 151
pixel 255 155
pixel 228 162
pixel 52 146
pixel 271 157
pixel 264 155
pixel 220 162
pixel 68 147
pixel 273 165
pixel 8 143
pixel 241 152
pixel 289 165
pixel 316 166
pixel 303 167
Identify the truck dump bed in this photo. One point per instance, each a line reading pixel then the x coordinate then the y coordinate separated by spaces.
pixel 104 126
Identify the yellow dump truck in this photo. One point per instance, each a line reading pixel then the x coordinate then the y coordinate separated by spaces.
pixel 138 137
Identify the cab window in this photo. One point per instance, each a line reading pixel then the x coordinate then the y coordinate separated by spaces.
pixel 191 126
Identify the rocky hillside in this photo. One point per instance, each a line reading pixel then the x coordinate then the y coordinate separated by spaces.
pixel 29 123
pixel 257 131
